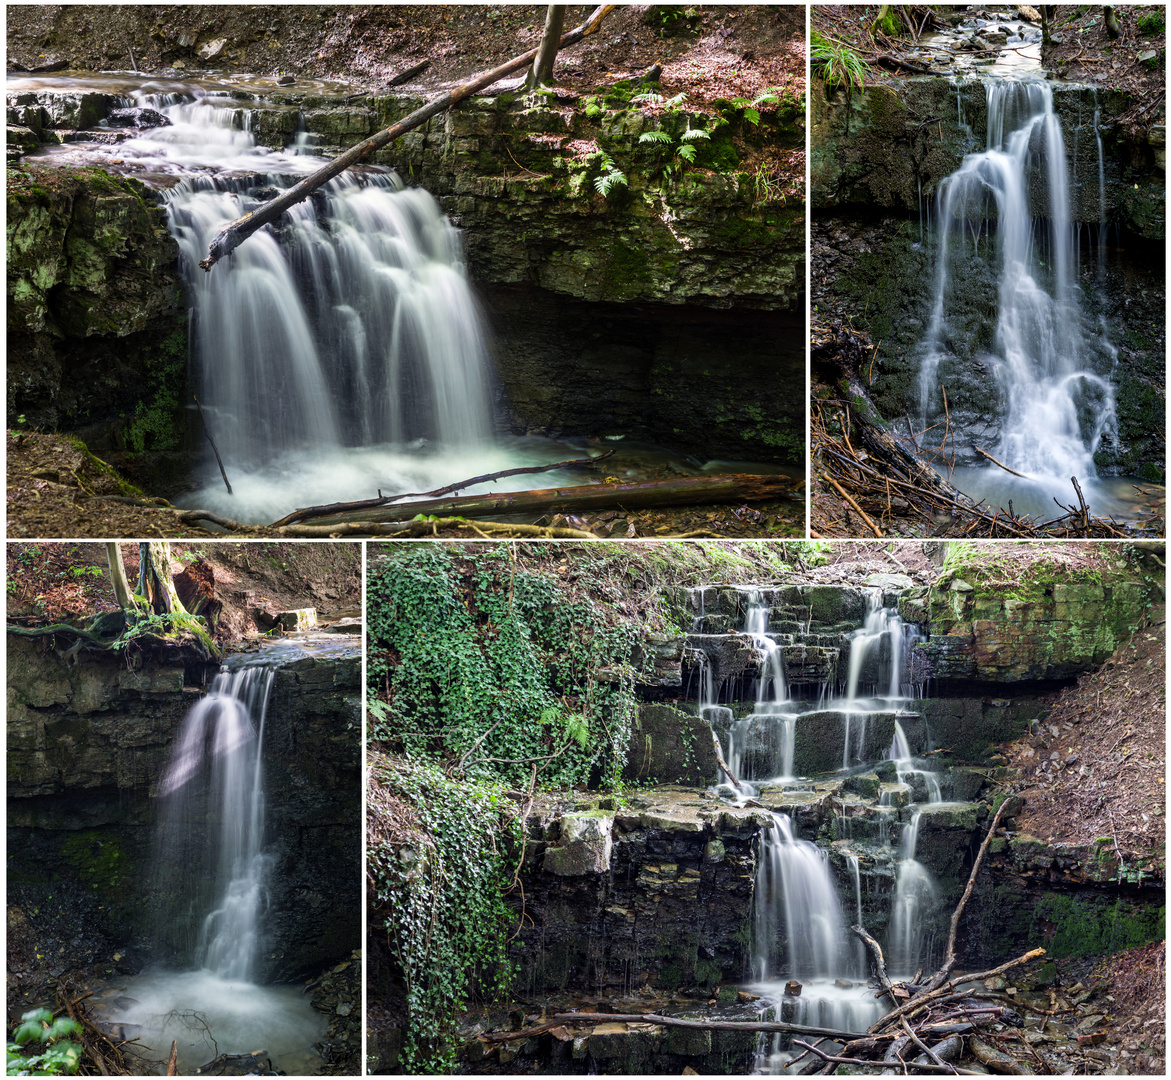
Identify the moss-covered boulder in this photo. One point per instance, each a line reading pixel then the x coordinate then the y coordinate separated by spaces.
pixel 93 299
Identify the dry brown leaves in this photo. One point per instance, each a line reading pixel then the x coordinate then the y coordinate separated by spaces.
pixel 1113 724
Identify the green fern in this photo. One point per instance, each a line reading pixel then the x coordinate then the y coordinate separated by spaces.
pixel 654 136
pixel 612 178
pixel 687 152
pixel 691 134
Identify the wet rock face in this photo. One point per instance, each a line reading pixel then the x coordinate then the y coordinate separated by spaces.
pixel 670 746
pixel 88 744
pixel 725 380
pixel 93 292
pixel 878 150
pixel 671 909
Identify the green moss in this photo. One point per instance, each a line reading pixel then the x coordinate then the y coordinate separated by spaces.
pixel 707 973
pixel 157 418
pixel 96 859
pixel 1084 926
pixel 627 271
pixel 1152 22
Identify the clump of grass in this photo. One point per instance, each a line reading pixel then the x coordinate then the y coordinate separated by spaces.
pixel 838 65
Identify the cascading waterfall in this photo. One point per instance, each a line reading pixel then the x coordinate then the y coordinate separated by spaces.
pixel 773 720
pixel 797 905
pixel 800 932
pixel 338 352
pixel 1056 400
pixel 909 937
pixel 214 869
pixel 220 754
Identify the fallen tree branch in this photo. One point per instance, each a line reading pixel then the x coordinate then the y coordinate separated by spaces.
pixel 706 1025
pixel 921 999
pixel 950 955
pixel 232 235
pixel 879 963
pixel 985 454
pixel 310 512
pixel 684 491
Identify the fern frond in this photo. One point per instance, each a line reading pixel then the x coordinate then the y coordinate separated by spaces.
pixel 607 182
pixel 654 136
pixel 687 152
pixel 691 134
pixel 649 96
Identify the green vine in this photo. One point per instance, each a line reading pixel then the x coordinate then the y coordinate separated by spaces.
pixel 496 671
pixel 438 874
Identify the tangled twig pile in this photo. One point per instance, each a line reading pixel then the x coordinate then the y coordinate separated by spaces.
pixel 888 487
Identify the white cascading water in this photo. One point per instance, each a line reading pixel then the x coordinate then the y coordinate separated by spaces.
pixel 1055 403
pixel 212 850
pixel 219 751
pixel 909 936
pixel 797 903
pixel 337 353
pixel 773 720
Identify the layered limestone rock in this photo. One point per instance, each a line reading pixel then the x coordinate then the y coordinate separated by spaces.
pixel 96 318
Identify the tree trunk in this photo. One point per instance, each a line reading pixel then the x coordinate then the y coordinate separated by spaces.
pixel 1112 28
pixel 232 235
pixel 542 69
pixel 122 591
pixel 647 494
pixel 154 578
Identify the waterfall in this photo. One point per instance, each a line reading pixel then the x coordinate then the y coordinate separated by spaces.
pixel 770 729
pixel 218 758
pixel 797 901
pixel 213 872
pixel 909 938
pixel 1055 408
pixel 340 351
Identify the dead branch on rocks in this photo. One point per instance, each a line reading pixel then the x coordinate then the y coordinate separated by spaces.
pixel 310 512
pixel 236 232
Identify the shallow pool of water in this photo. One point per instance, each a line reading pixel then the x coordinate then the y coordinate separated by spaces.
pixel 207 1016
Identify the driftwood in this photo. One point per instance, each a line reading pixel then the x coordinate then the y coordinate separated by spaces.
pixel 637 495
pixel 855 459
pixel 310 512
pixel 232 235
pixel 409 73
pixel 766 1026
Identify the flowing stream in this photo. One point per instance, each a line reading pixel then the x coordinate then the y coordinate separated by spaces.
pixel 213 869
pixel 1051 370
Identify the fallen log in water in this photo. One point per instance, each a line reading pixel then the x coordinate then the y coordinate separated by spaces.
pixel 637 495
pixel 232 235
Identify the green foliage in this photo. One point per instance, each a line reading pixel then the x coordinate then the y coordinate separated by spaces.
pixel 768 96
pixel 1153 21
pixel 838 65
pixel 493 668
pixel 59 1055
pixel 437 888
pixel 611 177
pixel 154 425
